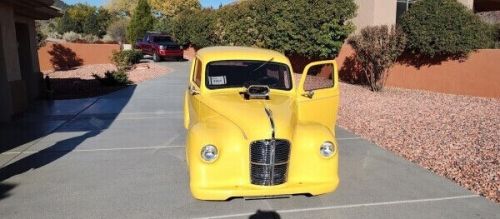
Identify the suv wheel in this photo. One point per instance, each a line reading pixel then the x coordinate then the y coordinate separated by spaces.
pixel 156 57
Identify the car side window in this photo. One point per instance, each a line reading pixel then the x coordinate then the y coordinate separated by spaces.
pixel 319 77
pixel 197 73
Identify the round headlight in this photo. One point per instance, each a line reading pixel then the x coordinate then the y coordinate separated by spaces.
pixel 162 47
pixel 209 153
pixel 327 149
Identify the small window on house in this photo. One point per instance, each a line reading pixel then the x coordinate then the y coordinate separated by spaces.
pixel 197 73
pixel 402 7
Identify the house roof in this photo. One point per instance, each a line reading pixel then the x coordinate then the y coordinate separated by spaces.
pixel 36 9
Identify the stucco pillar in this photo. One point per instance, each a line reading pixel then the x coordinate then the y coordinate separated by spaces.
pixel 14 101
pixel 468 3
pixel 375 12
pixel 5 99
pixel 9 43
pixel 28 59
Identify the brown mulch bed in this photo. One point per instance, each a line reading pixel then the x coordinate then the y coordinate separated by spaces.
pixel 79 82
pixel 454 136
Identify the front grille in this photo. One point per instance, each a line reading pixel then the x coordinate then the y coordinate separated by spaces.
pixel 172 47
pixel 269 161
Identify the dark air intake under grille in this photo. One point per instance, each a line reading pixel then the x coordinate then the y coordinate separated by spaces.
pixel 172 47
pixel 269 161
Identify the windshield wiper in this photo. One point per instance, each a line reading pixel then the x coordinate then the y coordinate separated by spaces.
pixel 263 64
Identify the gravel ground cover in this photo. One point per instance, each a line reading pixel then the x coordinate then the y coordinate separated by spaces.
pixel 79 82
pixel 454 136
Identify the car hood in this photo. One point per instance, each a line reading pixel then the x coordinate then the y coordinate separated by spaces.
pixel 251 117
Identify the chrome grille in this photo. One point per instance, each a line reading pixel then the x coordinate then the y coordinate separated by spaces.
pixel 269 161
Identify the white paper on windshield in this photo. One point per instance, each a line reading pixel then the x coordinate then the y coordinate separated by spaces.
pixel 217 80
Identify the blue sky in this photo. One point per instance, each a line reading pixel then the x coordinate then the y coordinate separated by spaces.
pixel 204 3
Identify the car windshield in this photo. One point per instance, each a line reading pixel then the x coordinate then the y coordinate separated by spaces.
pixel 162 39
pixel 230 74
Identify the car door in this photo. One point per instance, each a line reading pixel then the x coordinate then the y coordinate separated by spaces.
pixel 147 45
pixel 318 94
pixel 191 103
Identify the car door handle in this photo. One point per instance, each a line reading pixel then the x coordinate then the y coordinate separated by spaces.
pixel 193 91
pixel 309 94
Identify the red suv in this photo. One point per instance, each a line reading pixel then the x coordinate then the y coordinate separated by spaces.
pixel 159 46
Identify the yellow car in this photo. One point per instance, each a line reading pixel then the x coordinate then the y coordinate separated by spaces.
pixel 255 129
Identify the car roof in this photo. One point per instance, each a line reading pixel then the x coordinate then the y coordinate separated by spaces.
pixel 218 53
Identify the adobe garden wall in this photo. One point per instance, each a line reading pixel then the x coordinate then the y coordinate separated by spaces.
pixel 477 75
pixel 75 54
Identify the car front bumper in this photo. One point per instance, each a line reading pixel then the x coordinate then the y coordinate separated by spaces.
pixel 249 191
pixel 171 53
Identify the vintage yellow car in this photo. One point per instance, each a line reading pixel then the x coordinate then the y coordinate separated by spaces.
pixel 254 131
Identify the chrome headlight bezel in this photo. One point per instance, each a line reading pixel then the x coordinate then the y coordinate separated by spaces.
pixel 327 149
pixel 209 153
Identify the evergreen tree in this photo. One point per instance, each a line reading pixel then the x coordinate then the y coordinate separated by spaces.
pixel 64 24
pixel 141 22
pixel 90 25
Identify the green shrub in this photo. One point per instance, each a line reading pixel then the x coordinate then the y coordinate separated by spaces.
pixel 108 39
pixel 126 58
pixel 194 27
pixel 71 36
pixel 496 30
pixel 301 27
pixel 40 36
pixel 89 38
pixel 113 78
pixel 84 19
pixel 444 28
pixel 377 48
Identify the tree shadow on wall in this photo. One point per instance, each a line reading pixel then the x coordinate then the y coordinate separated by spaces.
pixel 63 58
pixel 351 71
pixel 299 62
pixel 418 61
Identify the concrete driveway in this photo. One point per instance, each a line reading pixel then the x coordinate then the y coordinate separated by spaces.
pixel 122 156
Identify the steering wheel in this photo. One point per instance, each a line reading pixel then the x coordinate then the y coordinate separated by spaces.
pixel 269 81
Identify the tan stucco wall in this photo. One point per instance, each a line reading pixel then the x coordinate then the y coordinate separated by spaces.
pixel 385 12
pixel 468 3
pixel 382 12
pixel 365 14
pixel 375 12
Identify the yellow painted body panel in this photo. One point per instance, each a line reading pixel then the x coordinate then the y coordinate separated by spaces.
pixel 223 118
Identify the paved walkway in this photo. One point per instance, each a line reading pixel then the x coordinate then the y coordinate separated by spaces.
pixel 122 156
